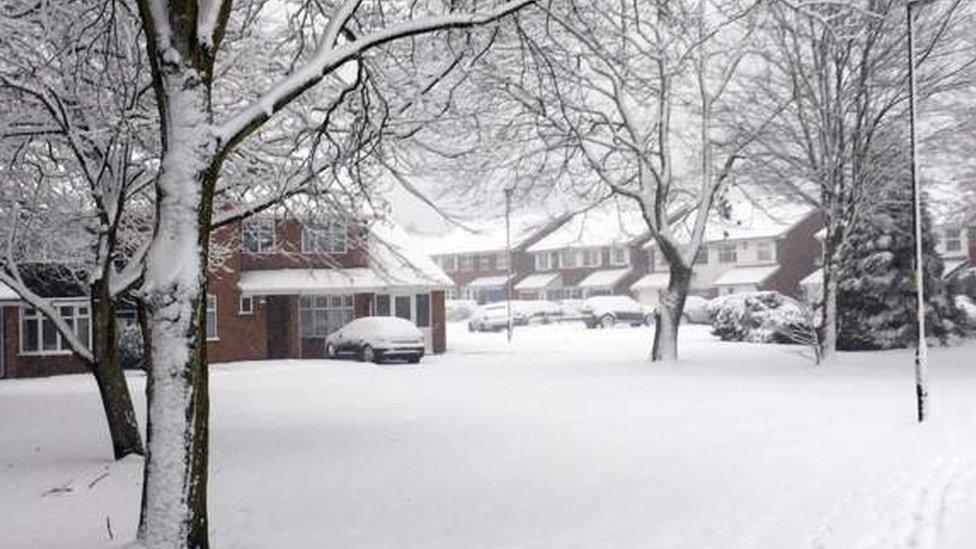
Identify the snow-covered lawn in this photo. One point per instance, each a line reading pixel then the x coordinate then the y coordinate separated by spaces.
pixel 568 438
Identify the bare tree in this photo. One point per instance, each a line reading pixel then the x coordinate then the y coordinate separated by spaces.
pixel 73 84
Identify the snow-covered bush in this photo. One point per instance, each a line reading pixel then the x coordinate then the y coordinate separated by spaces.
pixel 968 307
pixel 459 309
pixel 132 354
pixel 758 317
pixel 696 310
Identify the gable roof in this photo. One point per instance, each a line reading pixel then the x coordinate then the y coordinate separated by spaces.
pixel 488 235
pixel 607 225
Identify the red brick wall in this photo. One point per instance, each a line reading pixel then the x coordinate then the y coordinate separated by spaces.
pixel 288 240
pixel 16 365
pixel 240 336
pixel 797 253
pixel 438 320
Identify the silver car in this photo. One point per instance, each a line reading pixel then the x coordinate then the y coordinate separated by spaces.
pixel 375 338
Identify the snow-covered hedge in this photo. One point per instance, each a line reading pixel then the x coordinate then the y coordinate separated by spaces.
pixel 696 310
pixel 759 317
pixel 132 352
pixel 968 307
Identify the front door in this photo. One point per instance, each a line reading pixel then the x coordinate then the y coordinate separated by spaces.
pixel 280 316
pixel 412 307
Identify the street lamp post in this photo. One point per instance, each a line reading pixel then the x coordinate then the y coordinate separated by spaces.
pixel 921 348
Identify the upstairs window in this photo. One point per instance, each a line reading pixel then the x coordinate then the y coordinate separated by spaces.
pixel 258 236
pixel 465 262
pixel 448 263
pixel 620 256
pixel 570 259
pixel 327 238
pixel 501 261
pixel 592 258
pixel 39 335
pixel 952 240
pixel 727 254
pixel 484 262
pixel 765 251
pixel 542 262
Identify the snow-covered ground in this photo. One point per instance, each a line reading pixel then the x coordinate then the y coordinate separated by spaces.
pixel 566 438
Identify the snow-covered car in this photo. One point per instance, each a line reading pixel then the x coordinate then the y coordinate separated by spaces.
pixel 494 317
pixel 605 311
pixel 374 338
pixel 570 308
pixel 460 309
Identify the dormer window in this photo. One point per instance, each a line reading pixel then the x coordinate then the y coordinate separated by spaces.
pixel 327 238
pixel 258 236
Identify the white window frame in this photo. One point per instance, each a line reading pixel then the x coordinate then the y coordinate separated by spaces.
pixel 484 262
pixel 211 300
pixel 313 303
pixel 466 263
pixel 333 233
pixel 728 250
pixel 594 254
pixel 765 248
pixel 573 257
pixel 542 261
pixel 502 261
pixel 956 238
pixel 63 348
pixel 241 309
pixel 613 256
pixel 260 225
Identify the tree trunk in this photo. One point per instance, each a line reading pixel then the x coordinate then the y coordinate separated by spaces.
pixel 174 504
pixel 107 369
pixel 670 308
pixel 828 321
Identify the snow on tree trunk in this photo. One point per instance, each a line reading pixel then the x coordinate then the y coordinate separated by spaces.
pixel 828 342
pixel 670 309
pixel 174 505
pixel 107 369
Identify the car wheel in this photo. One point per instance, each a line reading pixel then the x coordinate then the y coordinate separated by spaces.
pixel 367 354
pixel 607 321
pixel 414 359
pixel 330 351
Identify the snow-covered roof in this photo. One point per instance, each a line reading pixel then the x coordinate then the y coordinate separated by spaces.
pixel 485 235
pixel 488 281
pixel 603 279
pixel 609 225
pixel 953 265
pixel 749 220
pixel 651 281
pixel 398 257
pixel 304 281
pixel 6 294
pixel 813 279
pixel 746 275
pixel 537 281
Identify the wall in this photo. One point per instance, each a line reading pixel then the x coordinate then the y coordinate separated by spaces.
pixel 16 365
pixel 798 253
pixel 438 320
pixel 288 250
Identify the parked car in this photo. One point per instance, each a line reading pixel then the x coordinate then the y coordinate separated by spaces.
pixel 374 338
pixel 605 311
pixel 494 317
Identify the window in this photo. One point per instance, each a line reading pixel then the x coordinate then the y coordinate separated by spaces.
pixel 620 256
pixel 423 310
pixel 570 259
pixel 246 305
pixel 401 307
pixel 382 305
pixel 592 258
pixel 554 260
pixel 702 257
pixel 952 240
pixel 448 263
pixel 484 262
pixel 765 251
pixel 328 238
pixel 211 318
pixel 465 263
pixel 501 261
pixel 727 254
pixel 542 262
pixel 321 315
pixel 40 335
pixel 258 236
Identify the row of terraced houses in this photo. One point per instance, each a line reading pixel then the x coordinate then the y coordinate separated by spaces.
pixel 610 252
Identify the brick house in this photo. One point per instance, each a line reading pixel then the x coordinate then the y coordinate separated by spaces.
pixel 478 262
pixel 594 253
pixel 277 288
pixel 759 252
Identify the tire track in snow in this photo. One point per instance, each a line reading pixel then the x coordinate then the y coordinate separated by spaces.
pixel 907 513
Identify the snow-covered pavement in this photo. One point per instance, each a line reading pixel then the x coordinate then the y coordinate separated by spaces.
pixel 566 438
